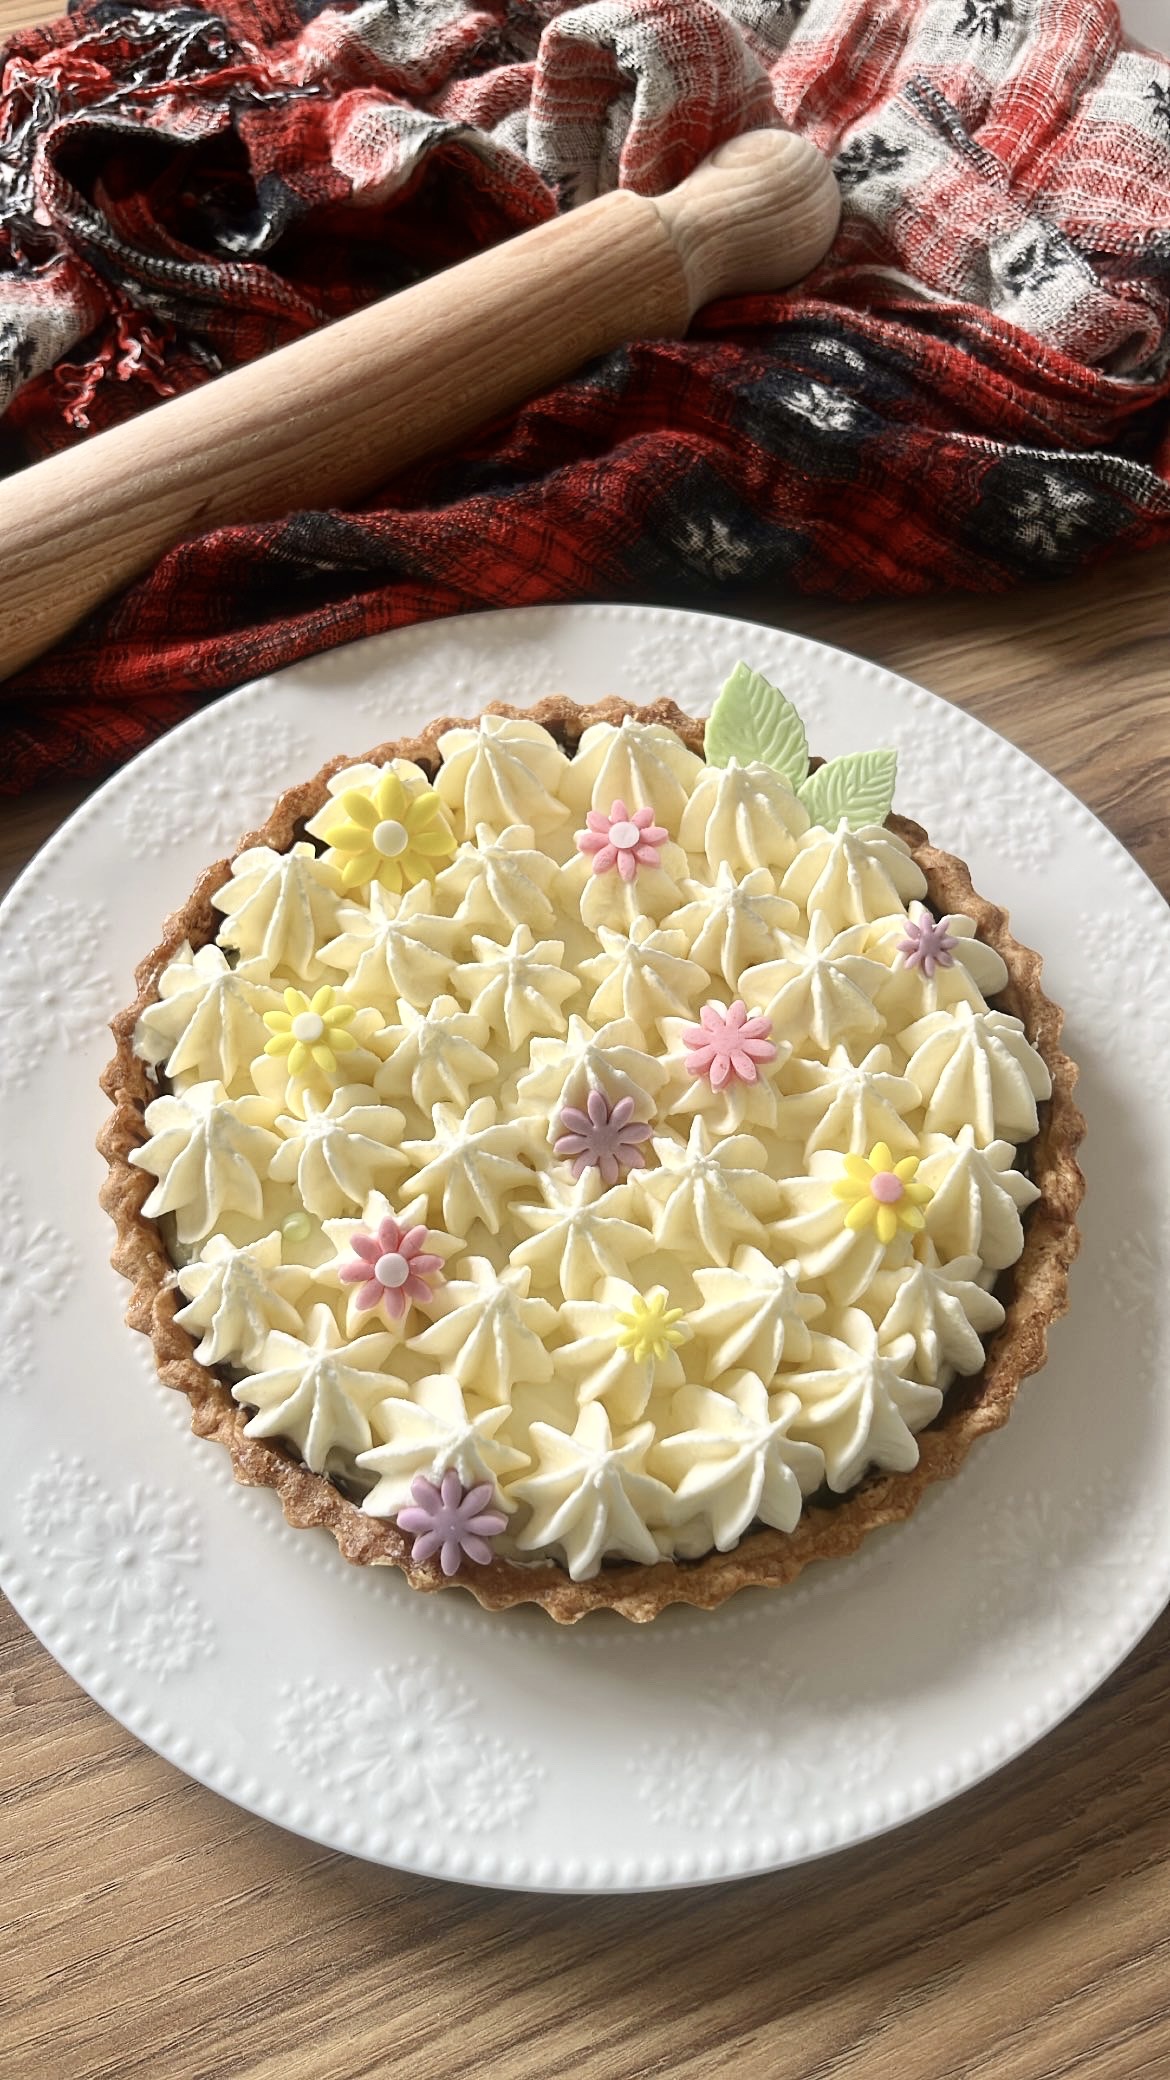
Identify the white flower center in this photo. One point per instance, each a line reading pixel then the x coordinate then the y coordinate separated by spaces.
pixel 625 836
pixel 390 838
pixel 392 1270
pixel 308 1027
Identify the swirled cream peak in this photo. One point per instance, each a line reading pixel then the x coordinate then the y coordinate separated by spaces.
pixel 611 899
pixel 942 1307
pixel 433 1432
pixel 977 1198
pixel 502 773
pixel 208 1022
pixel 643 975
pixel 732 1461
pixel 819 989
pixel 520 989
pixel 490 1331
pixel 813 1232
pixel 957 967
pixel 342 1149
pixel 859 1402
pixel 590 1496
pixel 280 907
pixel 852 876
pixel 641 764
pixel 435 1056
pixel 732 923
pixel 319 1391
pixel 499 882
pixel 717 1192
pixel 613 1058
pixel 746 816
pixel 577 1236
pixel 394 948
pixel 753 1315
pixel 976 1069
pixel 622 1346
pixel 472 1163
pixel 849 1105
pixel 208 1153
pixel 237 1297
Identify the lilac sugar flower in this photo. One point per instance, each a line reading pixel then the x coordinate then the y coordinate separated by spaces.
pixel 603 1137
pixel 453 1521
pixel 927 944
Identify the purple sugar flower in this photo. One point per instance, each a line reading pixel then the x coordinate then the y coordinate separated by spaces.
pixel 603 1137
pixel 927 943
pixel 451 1520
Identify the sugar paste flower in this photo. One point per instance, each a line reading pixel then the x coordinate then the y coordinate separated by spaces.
pixel 623 839
pixel 728 1045
pixel 602 1137
pixel 451 1520
pixel 649 1326
pixel 392 1266
pixel 881 1193
pixel 390 836
pixel 926 943
pixel 310 1032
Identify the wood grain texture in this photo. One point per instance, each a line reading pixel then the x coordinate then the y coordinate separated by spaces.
pixel 1023 1933
pixel 18 14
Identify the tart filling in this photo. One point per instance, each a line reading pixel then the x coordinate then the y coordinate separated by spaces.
pixel 590 1156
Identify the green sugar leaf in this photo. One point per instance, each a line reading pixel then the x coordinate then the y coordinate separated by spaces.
pixel 859 787
pixel 754 722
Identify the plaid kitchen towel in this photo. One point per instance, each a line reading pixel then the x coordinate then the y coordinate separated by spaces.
pixel 971 390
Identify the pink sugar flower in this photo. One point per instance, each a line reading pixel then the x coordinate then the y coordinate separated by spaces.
pixel 603 1137
pixel 621 840
pixel 451 1520
pixel 927 944
pixel 728 1045
pixel 392 1267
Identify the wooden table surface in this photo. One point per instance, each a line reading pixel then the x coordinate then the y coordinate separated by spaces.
pixel 1022 1933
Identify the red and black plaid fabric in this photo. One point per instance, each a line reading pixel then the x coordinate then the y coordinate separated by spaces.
pixel 972 389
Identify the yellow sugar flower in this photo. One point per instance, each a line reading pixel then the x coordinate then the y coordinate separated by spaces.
pixel 649 1327
pixel 390 836
pixel 881 1193
pixel 311 1032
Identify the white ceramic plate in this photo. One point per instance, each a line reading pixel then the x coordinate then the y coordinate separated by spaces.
pixel 417 1730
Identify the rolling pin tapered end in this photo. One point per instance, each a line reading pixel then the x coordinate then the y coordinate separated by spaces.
pixel 754 217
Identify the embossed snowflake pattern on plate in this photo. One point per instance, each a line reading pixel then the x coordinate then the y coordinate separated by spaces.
pixel 223 788
pixel 123 1564
pixel 785 1747
pixel 55 991
pixel 37 1270
pixel 410 1746
pixel 940 788
pixel 418 1730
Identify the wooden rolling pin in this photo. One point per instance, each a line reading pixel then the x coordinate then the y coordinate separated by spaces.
pixel 324 421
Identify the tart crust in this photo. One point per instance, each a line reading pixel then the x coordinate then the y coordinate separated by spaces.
pixel 1033 1291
